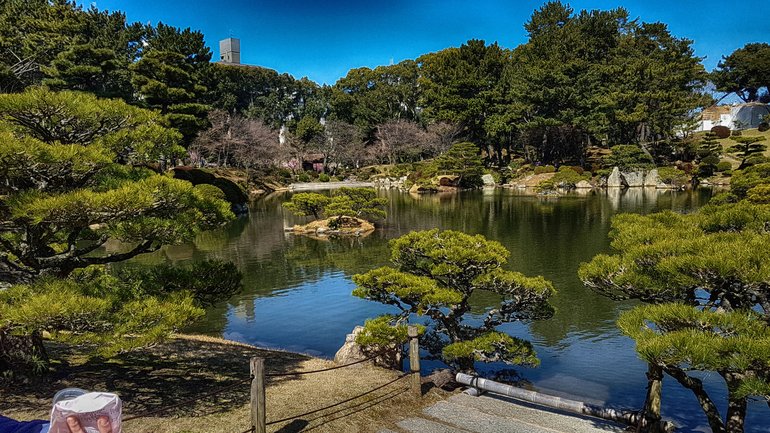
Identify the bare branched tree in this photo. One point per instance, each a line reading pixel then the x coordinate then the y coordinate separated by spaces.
pixel 401 140
pixel 237 141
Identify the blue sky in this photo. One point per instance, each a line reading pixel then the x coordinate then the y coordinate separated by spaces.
pixel 324 39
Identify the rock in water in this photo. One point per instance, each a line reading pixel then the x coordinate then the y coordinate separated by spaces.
pixel 583 184
pixel 652 178
pixel 488 180
pixel 615 180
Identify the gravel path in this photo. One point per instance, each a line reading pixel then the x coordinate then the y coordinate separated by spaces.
pixel 463 413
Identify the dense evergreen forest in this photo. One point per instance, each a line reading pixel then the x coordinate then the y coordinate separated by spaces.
pixel 587 78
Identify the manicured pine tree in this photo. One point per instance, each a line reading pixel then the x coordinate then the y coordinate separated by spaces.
pixel 435 274
pixel 75 174
pixel 704 278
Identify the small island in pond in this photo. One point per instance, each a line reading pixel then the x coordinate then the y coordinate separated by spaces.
pixel 347 212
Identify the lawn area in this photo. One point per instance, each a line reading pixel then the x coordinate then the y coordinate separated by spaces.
pixel 726 143
pixel 188 367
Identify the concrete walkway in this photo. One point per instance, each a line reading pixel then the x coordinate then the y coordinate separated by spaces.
pixel 488 413
pixel 315 186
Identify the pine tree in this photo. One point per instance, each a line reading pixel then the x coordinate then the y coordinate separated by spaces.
pixel 435 274
pixel 749 149
pixel 73 177
pixel 706 278
pixel 463 160
pixel 708 153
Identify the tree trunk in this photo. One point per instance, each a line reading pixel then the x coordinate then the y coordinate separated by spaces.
pixel 736 406
pixel 696 386
pixel 653 399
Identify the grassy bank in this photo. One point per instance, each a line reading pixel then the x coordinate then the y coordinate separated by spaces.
pixel 187 367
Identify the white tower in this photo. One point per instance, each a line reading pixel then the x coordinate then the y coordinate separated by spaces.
pixel 230 51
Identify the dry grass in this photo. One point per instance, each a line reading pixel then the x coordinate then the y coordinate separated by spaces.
pixel 187 367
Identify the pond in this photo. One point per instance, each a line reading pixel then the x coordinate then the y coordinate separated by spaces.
pixel 298 290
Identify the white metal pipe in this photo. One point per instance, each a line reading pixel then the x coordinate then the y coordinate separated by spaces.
pixel 624 416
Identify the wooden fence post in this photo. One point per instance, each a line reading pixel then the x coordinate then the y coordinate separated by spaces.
pixel 414 359
pixel 257 402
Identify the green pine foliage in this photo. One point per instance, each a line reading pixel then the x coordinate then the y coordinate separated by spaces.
pixel 463 160
pixel 749 149
pixel 345 202
pixel 628 157
pixel 66 192
pixel 745 72
pixel 705 276
pixel 307 203
pixel 77 172
pixel 357 202
pixel 435 274
pixel 708 153
pixel 110 314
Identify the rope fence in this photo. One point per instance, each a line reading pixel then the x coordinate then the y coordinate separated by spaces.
pixel 257 398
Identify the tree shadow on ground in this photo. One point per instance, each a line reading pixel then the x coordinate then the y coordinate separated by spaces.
pixel 155 377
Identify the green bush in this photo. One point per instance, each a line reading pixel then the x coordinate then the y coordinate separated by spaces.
pixel 303 177
pixel 566 178
pixel 545 169
pixel 723 166
pixel 673 176
pixel 323 177
pixel 628 157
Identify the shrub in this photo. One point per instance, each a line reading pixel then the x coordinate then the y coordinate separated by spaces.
pixel 545 169
pixel 463 160
pixel 303 177
pixel 323 177
pixel 673 176
pixel 628 157
pixel 736 133
pixel 566 178
pixel 721 131
pixel 764 126
pixel 723 166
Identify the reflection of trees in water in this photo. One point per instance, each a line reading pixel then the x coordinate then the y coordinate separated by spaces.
pixel 546 236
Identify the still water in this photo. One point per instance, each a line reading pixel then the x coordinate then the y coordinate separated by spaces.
pixel 297 289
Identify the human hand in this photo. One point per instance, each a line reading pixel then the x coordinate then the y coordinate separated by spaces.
pixel 103 424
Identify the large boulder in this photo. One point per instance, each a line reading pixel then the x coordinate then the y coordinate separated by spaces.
pixel 633 178
pixel 488 180
pixel 389 357
pixel 615 180
pixel 350 351
pixel 652 178
pixel 583 184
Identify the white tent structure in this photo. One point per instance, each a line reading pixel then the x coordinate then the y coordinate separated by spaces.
pixel 735 117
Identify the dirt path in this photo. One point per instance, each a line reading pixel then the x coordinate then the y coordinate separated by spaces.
pixel 188 367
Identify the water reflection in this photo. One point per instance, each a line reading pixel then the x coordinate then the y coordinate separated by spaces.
pixel 298 289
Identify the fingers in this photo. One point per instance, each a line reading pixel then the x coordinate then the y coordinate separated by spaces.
pixel 74 425
pixel 104 425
